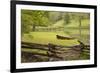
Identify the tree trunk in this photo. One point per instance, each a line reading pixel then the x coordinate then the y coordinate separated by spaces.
pixel 80 27
pixel 33 27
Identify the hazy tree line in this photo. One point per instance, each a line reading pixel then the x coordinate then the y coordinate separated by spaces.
pixel 33 18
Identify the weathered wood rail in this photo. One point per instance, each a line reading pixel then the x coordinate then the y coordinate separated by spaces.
pixel 46 47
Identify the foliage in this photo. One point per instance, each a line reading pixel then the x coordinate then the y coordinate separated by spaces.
pixel 31 18
pixel 66 18
pixel 26 23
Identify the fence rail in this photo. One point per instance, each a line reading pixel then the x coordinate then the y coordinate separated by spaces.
pixel 52 50
pixel 46 47
pixel 57 28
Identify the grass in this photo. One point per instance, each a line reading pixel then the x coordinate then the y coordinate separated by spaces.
pixel 84 56
pixel 48 37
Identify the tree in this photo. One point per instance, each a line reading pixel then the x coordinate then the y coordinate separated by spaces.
pixel 26 23
pixel 66 18
pixel 55 16
pixel 79 17
pixel 32 18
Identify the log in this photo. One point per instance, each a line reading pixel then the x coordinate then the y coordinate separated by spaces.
pixel 51 46
pixel 41 54
pixel 64 37
pixel 34 46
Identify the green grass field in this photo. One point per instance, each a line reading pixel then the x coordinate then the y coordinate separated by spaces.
pixel 48 37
